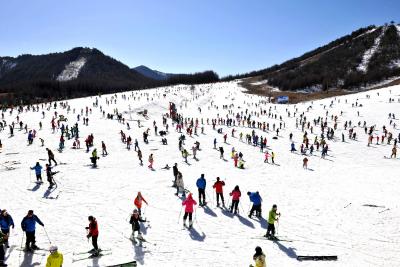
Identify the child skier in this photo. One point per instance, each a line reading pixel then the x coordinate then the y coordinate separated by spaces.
pixel 135 221
pixel 259 258
pixel 236 194
pixel 55 259
pixel 189 203
pixel 139 201
pixel 93 232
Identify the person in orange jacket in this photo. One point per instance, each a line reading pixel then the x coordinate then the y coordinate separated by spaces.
pixel 139 201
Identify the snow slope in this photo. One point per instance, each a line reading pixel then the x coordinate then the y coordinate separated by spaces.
pixel 72 70
pixel 322 208
pixel 370 52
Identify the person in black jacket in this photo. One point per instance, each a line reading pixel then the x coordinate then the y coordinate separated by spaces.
pixel 175 172
pixel 28 225
pixel 135 221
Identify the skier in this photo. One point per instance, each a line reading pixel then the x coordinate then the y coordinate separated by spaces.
pixel 104 149
pixel 221 152
pixel 305 161
pixel 201 184
pixel 38 171
pixel 93 232
pixel 235 194
pixel 292 147
pixel 94 158
pixel 49 175
pixel 219 191
pixel 256 199
pixel 273 157
pixel 3 240
pixel 175 172
pixel 272 217
pixel 189 203
pixel 6 221
pixel 135 219
pixel 151 160
pixel 259 258
pixel 55 259
pixel 28 225
pixel 266 156
pixel 139 199
pixel 139 154
pixel 394 152
pixel 180 186
pixel 51 156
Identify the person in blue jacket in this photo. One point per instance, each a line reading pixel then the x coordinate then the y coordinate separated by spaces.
pixel 6 221
pixel 256 199
pixel 201 186
pixel 28 225
pixel 38 171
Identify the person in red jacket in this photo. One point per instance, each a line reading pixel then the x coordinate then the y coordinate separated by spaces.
pixel 236 194
pixel 189 203
pixel 218 189
pixel 139 201
pixel 93 232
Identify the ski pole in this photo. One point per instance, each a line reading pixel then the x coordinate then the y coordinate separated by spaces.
pixel 208 197
pixel 47 235
pixel 180 213
pixel 240 203
pixel 22 242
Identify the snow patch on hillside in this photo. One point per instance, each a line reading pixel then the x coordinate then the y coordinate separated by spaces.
pixel 8 64
pixel 72 70
pixel 369 53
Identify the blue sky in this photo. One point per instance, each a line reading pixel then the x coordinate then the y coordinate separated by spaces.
pixel 186 35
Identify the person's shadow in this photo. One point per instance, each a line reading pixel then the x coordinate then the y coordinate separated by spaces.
pixel 208 211
pixel 28 257
pixel 289 251
pixel 194 235
pixel 245 221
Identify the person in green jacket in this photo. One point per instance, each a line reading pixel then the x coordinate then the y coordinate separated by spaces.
pixel 3 240
pixel 272 217
pixel 55 259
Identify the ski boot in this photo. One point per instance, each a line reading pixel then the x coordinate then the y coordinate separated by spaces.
pixel 34 247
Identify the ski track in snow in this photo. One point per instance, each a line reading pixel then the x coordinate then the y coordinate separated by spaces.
pixel 363 66
pixel 72 70
pixel 315 208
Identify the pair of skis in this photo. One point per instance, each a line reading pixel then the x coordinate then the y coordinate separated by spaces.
pixel 83 255
pixel 301 257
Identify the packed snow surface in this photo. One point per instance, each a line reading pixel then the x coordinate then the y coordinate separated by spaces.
pixel 346 204
pixel 71 70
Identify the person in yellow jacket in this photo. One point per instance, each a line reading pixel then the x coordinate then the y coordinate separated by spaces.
pixel 55 259
pixel 259 258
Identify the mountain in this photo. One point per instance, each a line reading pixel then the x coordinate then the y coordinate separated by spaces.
pixel 79 72
pixel 364 57
pixel 153 74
